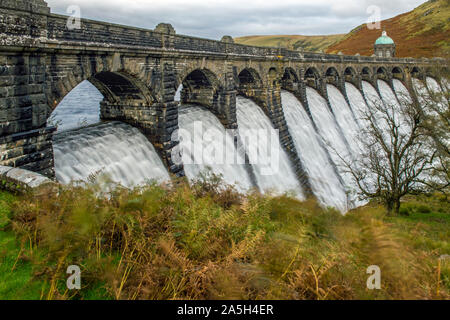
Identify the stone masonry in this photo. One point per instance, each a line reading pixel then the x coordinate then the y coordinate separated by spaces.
pixel 138 72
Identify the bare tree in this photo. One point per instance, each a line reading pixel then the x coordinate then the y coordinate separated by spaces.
pixel 397 153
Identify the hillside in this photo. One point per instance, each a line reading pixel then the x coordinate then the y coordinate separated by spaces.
pixel 423 32
pixel 307 43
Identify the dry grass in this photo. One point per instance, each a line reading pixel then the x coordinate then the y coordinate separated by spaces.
pixel 204 242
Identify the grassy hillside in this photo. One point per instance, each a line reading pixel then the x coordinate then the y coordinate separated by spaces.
pixel 307 43
pixel 202 242
pixel 423 32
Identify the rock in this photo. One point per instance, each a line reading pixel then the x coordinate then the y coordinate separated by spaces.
pixel 22 181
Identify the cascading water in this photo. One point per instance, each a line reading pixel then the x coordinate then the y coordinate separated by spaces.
pixel 387 95
pixel 283 179
pixel 207 145
pixel 402 92
pixel 114 149
pixel 333 138
pixel 345 118
pixel 357 103
pixel 372 97
pixel 325 183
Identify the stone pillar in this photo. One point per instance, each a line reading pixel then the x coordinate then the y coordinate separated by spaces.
pixel 167 120
pixel 273 108
pixel 226 106
pixel 25 142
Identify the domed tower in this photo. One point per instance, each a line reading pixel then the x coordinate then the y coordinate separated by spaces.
pixel 384 46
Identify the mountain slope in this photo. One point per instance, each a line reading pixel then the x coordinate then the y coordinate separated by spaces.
pixel 297 42
pixel 423 32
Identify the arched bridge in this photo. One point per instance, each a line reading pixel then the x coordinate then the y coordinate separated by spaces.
pixel 138 72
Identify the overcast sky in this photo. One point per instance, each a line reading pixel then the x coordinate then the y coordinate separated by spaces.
pixel 215 18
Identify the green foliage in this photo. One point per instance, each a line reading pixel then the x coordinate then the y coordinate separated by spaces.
pixel 207 241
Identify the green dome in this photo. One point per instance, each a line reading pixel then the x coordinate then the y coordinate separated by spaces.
pixel 384 39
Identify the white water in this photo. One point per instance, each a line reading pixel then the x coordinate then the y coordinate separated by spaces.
pixel 204 152
pixel 283 179
pixel 114 149
pixel 345 118
pixel 325 183
pixel 332 137
pixel 357 103
pixel 402 92
pixel 128 158
pixel 387 95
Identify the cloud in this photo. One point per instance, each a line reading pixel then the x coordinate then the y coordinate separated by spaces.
pixel 215 18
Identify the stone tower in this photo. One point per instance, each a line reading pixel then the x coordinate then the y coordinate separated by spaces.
pixel 384 46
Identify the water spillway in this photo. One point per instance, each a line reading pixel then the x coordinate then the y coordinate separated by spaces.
pixel 280 177
pixel 345 118
pixel 114 149
pixel 206 145
pixel 325 182
pixel 357 103
pixel 330 130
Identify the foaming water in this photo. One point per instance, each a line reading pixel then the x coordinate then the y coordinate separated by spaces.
pixel 81 107
pixel 114 149
pixel 345 118
pixel 387 95
pixel 357 103
pixel 402 92
pixel 334 140
pixel 325 183
pixel 371 94
pixel 283 179
pixel 203 152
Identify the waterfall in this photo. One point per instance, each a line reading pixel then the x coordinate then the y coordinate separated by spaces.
pixel 402 92
pixel 372 97
pixel 387 95
pixel 325 183
pixel 283 179
pixel 357 103
pixel 207 145
pixel 345 118
pixel 79 108
pixel 332 136
pixel 114 149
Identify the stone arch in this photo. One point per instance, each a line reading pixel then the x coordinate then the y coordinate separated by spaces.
pixel 366 74
pixel 382 73
pixel 349 73
pixel 332 76
pixel 290 80
pixel 312 77
pixel 117 88
pixel 398 73
pixel 416 72
pixel 249 76
pixel 273 77
pixel 200 86
pixel 249 82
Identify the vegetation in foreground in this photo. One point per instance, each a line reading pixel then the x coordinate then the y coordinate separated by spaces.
pixel 203 242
